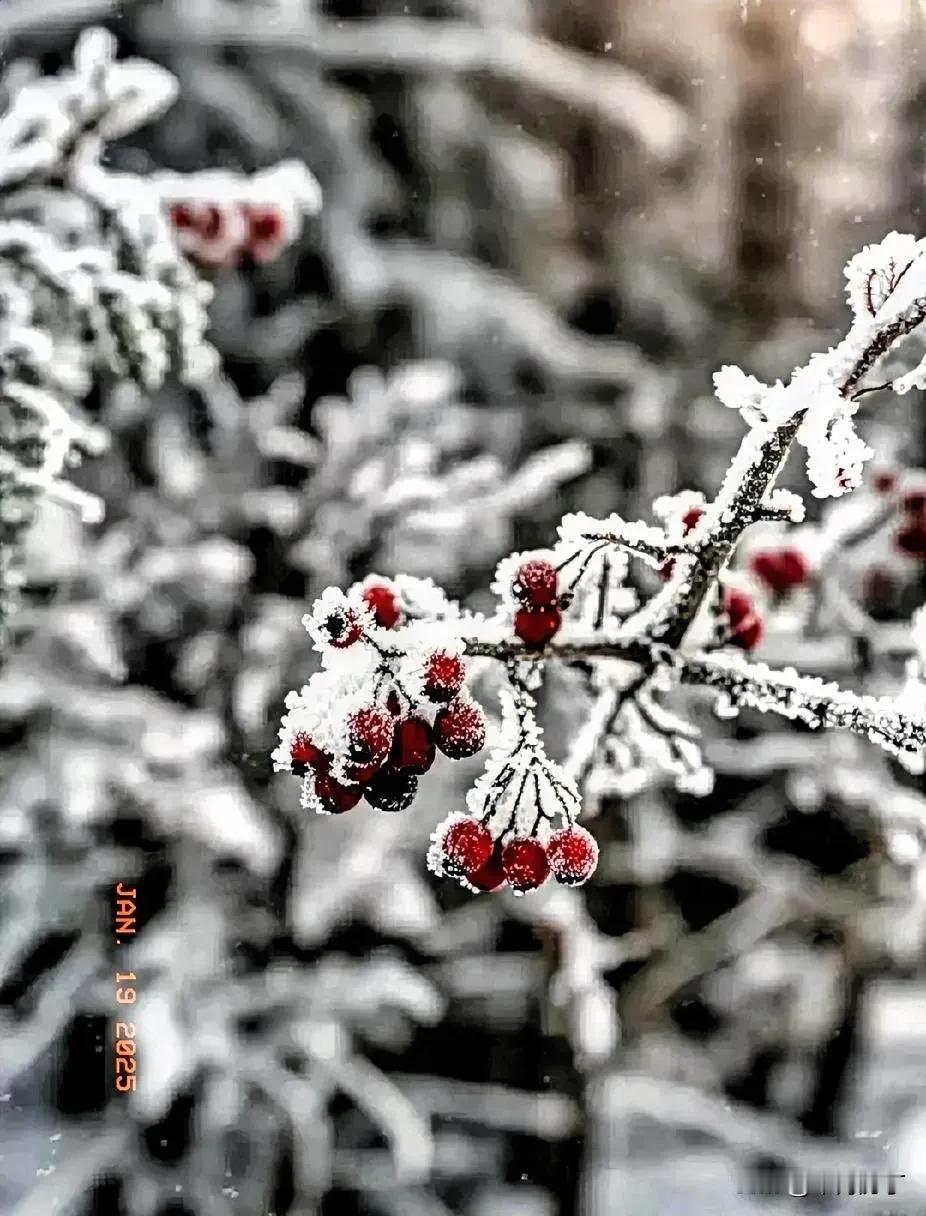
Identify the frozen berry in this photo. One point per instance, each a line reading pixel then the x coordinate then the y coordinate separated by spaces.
pixel 342 628
pixel 488 877
pixel 692 518
pixel 383 603
pixel 781 570
pixel 370 733
pixel 413 746
pixel 335 797
pixel 460 729
pixel 465 846
pixel 573 855
pixel 304 754
pixel 536 584
pixel 443 676
pixel 393 704
pixel 911 539
pixel 362 773
pixel 391 791
pixel 745 625
pixel 536 626
pixel 183 216
pixel 524 861
pixel 885 481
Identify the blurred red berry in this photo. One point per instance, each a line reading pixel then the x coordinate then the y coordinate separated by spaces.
pixel 692 518
pixel 781 570
pixel 384 604
pixel 911 539
pixel 460 729
pixel 465 847
pixel 443 676
pixel 573 855
pixel 745 625
pixel 914 503
pixel 525 864
pixel 413 746
pixel 535 626
pixel 885 481
pixel 536 584
pixel 335 797
pixel 370 734
pixel 183 216
pixel 266 232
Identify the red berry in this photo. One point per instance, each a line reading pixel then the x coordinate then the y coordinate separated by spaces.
pixel 211 222
pixel 692 518
pixel 384 604
pixel 573 855
pixel 266 232
pixel 460 729
pixel 370 732
pixel 342 628
pixel 362 773
pixel 304 754
pixel 182 216
pixel 745 624
pixel 914 503
pixel 444 674
pixel 465 846
pixel 335 797
pixel 885 481
pixel 391 791
pixel 393 704
pixel 781 569
pixel 535 626
pixel 911 539
pixel 490 876
pixel 413 746
pixel 524 861
pixel 536 584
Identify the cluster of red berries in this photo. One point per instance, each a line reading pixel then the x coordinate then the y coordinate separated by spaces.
pixel 536 588
pixel 910 537
pixel 388 750
pixel 744 624
pixel 690 521
pixel 781 570
pixel 466 849
pixel 217 234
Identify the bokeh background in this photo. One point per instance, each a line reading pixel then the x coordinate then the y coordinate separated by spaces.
pixel 545 223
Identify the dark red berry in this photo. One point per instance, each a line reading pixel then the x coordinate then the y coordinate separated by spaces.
pixel 384 604
pixel 885 481
pixel 412 747
pixel 535 626
pixel 573 855
pixel 781 570
pixel 370 733
pixel 391 791
pixel 524 861
pixel 304 754
pixel 692 518
pixel 182 216
pixel 536 584
pixel 911 539
pixel 393 704
pixel 914 503
pixel 488 877
pixel 266 233
pixel 335 797
pixel 342 629
pixel 460 729
pixel 465 847
pixel 444 674
pixel 745 625
pixel 362 773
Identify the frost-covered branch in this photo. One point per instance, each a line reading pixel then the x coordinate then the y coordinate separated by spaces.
pixel 364 728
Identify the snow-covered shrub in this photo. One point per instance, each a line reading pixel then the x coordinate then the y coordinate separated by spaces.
pixel 95 287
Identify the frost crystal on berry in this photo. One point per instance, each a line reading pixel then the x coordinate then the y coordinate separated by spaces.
pixel 460 729
pixel 573 855
pixel 391 791
pixel 525 864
